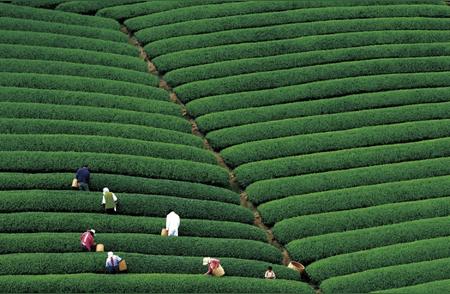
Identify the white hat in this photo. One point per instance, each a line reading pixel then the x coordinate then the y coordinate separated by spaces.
pixel 105 190
pixel 110 254
pixel 206 260
pixel 93 231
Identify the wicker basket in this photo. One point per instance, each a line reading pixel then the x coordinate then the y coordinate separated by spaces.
pixel 164 232
pixel 100 248
pixel 218 272
pixel 296 266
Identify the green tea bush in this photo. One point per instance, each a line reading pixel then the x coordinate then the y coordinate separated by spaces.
pixel 36 161
pixel 118 184
pixel 319 247
pixel 268 190
pixel 130 204
pixel 40 4
pixel 48 126
pixel 347 220
pixel 91 7
pixel 86 113
pixel 389 277
pixel 99 144
pixel 352 198
pixel 440 286
pixel 360 261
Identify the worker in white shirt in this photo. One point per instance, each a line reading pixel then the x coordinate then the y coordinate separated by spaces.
pixel 109 201
pixel 172 223
pixel 112 263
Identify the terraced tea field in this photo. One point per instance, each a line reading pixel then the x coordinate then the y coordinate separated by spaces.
pixel 309 131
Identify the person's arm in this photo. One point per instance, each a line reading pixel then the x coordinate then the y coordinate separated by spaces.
pixel 114 197
pixel 209 269
pixel 103 200
pixel 77 175
pixel 167 222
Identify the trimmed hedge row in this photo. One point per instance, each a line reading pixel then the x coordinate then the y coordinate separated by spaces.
pixel 73 83
pixel 40 3
pixel 203 26
pixel 329 141
pixel 63 41
pixel 36 161
pixel 323 123
pixel 34 222
pixel 118 184
pixel 324 223
pixel 130 204
pixel 75 69
pixel 319 247
pixel 9 10
pixel 441 286
pixel 268 190
pixel 232 118
pixel 292 60
pixel 379 257
pixel 352 198
pixel 87 113
pixel 48 126
pixel 142 243
pixel 73 263
pixel 290 31
pixel 239 8
pixel 319 90
pixel 14 94
pixel 91 7
pixel 20 24
pixel 154 283
pixel 100 144
pixel 389 277
pixel 342 159
pixel 192 57
pixel 303 75
pixel 72 55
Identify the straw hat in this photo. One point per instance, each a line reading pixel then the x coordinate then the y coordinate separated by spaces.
pixel 93 231
pixel 206 260
pixel 105 190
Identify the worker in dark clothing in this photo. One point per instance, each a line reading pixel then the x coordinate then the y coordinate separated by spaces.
pixel 83 176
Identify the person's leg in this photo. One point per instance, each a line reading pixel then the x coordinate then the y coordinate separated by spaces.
pixel 110 211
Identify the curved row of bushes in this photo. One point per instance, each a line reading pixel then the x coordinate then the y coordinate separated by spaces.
pixel 118 184
pixel 100 144
pixel 352 198
pixel 319 224
pixel 37 161
pixel 360 261
pixel 72 55
pixel 39 4
pixel 389 277
pixel 440 286
pixel 73 263
pixel 342 159
pixel 35 222
pixel 169 62
pixel 91 7
pixel 92 114
pixel 268 190
pixel 322 123
pixel 154 283
pixel 130 204
pixel 62 97
pixel 319 247
pixel 74 127
pixel 142 243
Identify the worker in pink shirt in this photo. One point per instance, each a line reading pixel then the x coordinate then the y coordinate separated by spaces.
pixel 87 240
pixel 214 267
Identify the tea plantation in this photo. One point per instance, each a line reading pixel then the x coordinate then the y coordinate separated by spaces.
pixel 315 131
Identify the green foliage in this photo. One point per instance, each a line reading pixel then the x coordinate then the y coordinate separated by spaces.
pixel 268 190
pixel 36 161
pixel 19 24
pixel 347 220
pixel 72 263
pixel 351 198
pixel 40 3
pixel 319 247
pixel 82 84
pixel 34 222
pixel 389 277
pixel 91 7
pixel 74 69
pixel 441 286
pixel 142 243
pixel 86 113
pixel 64 41
pixel 99 144
pixel 343 159
pixel 72 55
pixel 154 283
pixel 321 123
pixel 14 94
pixel 379 257
pixel 169 62
pixel 110 129
pixel 129 204
pixel 118 184
pixel 15 11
